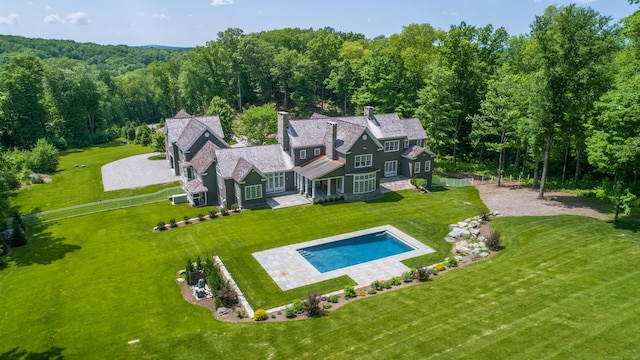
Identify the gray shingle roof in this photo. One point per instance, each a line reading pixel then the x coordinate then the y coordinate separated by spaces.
pixel 213 122
pixel 191 132
pixel 174 128
pixel 203 159
pixel 182 115
pixel 307 133
pixel 266 158
pixel 347 134
pixel 318 167
pixel 414 151
pixel 413 129
pixel 241 170
pixel 195 186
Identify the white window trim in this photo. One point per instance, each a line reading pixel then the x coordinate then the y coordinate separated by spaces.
pixel 406 143
pixel 364 183
pixel 391 145
pixel 416 167
pixel 252 192
pixel 316 151
pixel 420 142
pixel 427 166
pixel 303 154
pixel 363 161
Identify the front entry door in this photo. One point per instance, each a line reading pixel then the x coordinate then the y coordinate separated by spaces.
pixel 391 168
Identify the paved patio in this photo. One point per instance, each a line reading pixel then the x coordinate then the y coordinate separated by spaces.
pixel 287 200
pixel 136 171
pixel 290 270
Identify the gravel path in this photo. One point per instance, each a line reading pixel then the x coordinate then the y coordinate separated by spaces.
pixel 516 201
pixel 136 171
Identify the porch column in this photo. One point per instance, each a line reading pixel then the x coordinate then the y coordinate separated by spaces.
pixel 313 189
pixel 328 187
pixel 306 186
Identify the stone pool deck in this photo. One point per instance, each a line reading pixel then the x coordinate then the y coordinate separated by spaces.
pixel 290 270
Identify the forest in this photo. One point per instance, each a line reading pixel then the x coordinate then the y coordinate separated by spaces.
pixel 560 102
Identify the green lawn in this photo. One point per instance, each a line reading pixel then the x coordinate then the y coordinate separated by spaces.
pixel 564 287
pixel 74 185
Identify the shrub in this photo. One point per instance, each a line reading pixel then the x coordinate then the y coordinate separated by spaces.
pixel 385 284
pixel 18 238
pixel 408 276
pixel 362 292
pixel 235 208
pixel 484 215
pixel 493 242
pixel 260 315
pixel 201 217
pixel 349 292
pixel 173 223
pixel 312 305
pixel 298 306
pixel 439 267
pixel 333 298
pixel 161 225
pixel 289 312
pixel 212 213
pixel 241 313
pixel 37 179
pixel 218 303
pixel 376 285
pixel 186 219
pixel 372 291
pixel 44 157
pixel 423 273
pixel 319 201
pixel 324 306
pixel 452 262
pixel 227 295
pixel 395 281
pixel 224 211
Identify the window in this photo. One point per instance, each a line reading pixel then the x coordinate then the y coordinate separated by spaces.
pixel 275 182
pixel 416 167
pixel 364 183
pixel 420 142
pixel 316 151
pixel 252 192
pixel 427 166
pixel 391 168
pixel 391 145
pixel 406 143
pixel 303 154
pixel 363 160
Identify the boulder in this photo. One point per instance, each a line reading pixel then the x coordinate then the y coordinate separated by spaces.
pixel 181 272
pixel 474 224
pixel 450 239
pixel 456 232
pixel 475 232
pixel 223 310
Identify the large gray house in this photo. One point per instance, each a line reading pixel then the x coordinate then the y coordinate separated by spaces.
pixel 317 157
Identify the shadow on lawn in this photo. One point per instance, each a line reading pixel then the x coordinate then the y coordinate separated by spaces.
pixel 17 353
pixel 391 196
pixel 43 248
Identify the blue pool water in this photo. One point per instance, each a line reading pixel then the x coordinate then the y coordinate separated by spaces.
pixel 353 251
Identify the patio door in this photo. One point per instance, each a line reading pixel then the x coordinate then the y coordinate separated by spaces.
pixel 391 168
pixel 275 182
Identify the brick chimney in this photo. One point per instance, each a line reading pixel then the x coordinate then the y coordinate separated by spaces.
pixel 368 112
pixel 283 124
pixel 331 137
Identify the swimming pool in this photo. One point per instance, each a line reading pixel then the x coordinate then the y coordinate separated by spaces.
pixel 353 251
pixel 289 269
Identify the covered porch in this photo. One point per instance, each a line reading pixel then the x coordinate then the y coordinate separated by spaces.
pixel 196 192
pixel 320 178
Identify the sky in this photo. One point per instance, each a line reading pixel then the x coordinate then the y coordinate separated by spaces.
pixel 188 23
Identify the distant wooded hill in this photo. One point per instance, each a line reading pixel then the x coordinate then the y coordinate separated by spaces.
pixel 118 58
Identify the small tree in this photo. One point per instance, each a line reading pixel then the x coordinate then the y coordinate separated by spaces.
pixel 218 106
pixel 258 124
pixel 312 305
pixel 158 142
pixel 622 200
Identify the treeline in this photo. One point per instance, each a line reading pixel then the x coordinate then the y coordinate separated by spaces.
pixel 558 101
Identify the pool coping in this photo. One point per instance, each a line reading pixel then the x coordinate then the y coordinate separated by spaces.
pixel 290 270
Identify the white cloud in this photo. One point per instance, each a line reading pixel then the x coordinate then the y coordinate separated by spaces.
pixel 155 16
pixel 78 18
pixel 584 1
pixel 9 19
pixel 221 2
pixel 53 19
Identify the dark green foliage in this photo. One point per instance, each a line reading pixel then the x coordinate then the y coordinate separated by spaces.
pixel 235 208
pixel 213 276
pixel 227 294
pixel 201 217
pixel 18 238
pixel 289 312
pixel 213 213
pixel 452 262
pixel 333 299
pixel 312 304
pixel 173 223
pixel 372 291
pixel 186 219
pixel 44 158
pixel 161 225
pixel 493 242
pixel 395 281
pixel 408 276
pixel 224 211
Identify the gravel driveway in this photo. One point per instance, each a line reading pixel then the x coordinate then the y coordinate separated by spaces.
pixel 517 201
pixel 136 171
